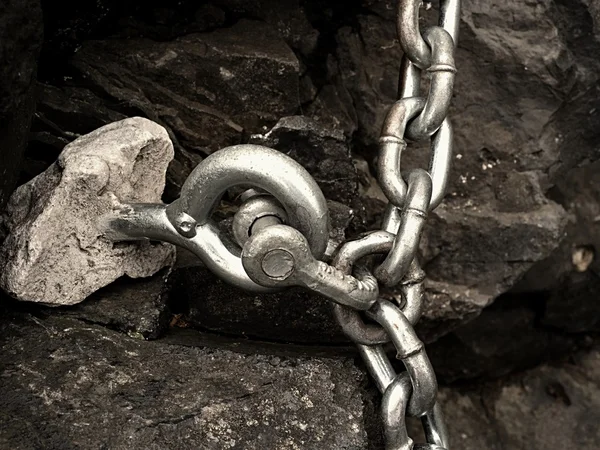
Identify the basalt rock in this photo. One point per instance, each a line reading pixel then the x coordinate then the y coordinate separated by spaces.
pixel 552 406
pixel 70 384
pixel 21 30
pixel 322 150
pixel 137 307
pixel 55 252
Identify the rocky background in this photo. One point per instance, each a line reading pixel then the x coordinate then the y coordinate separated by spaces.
pixel 182 360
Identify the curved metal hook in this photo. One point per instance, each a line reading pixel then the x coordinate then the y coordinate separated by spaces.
pixel 248 164
pixel 186 222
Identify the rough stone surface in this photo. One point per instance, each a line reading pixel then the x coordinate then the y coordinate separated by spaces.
pixel 21 30
pixel 507 337
pixel 54 252
pixel 207 89
pixel 550 407
pixel 138 307
pixel 70 385
pixel 322 150
pixel 572 273
pixel 472 255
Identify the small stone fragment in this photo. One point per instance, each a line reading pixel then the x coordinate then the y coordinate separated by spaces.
pixel 54 254
pixel 582 257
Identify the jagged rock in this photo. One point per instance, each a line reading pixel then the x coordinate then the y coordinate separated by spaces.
pixel 475 254
pixel 54 253
pixel 505 338
pixel 21 30
pixel 138 307
pixel 321 150
pixel 550 407
pixel 571 274
pixel 216 94
pixel 209 90
pixel 288 17
pixel 69 384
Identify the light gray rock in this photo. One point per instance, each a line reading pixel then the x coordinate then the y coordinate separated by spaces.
pixel 54 253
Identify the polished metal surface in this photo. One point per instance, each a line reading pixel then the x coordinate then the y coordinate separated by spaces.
pixel 391 271
pixel 281 229
pixel 393 413
pixel 391 147
pixel 442 72
pixel 280 256
pixel 252 165
pixel 256 212
pixel 410 350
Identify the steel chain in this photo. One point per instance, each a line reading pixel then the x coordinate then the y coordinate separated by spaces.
pixel 281 228
pixel 411 118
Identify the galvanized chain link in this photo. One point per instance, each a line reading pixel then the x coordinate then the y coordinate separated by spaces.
pixel 282 226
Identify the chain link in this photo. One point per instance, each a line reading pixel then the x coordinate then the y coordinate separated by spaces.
pixel 281 229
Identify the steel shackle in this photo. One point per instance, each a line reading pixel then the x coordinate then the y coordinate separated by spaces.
pixel 187 221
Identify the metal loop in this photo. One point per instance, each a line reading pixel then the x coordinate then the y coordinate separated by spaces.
pixel 247 164
pixel 393 413
pixel 406 244
pixel 410 351
pixel 434 426
pixel 253 211
pixel 392 145
pixel 186 222
pixel 450 18
pixel 442 72
pixel 409 35
pixel 397 390
pixel 279 255
pixel 409 84
pixel 252 165
pixel 378 365
pixel 350 320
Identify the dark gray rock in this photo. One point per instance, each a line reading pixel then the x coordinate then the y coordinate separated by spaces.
pixel 138 307
pixel 473 254
pixel 67 384
pixel 288 17
pixel 203 86
pixel 21 30
pixel 571 274
pixel 209 90
pixel 505 338
pixel 550 407
pixel 322 150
